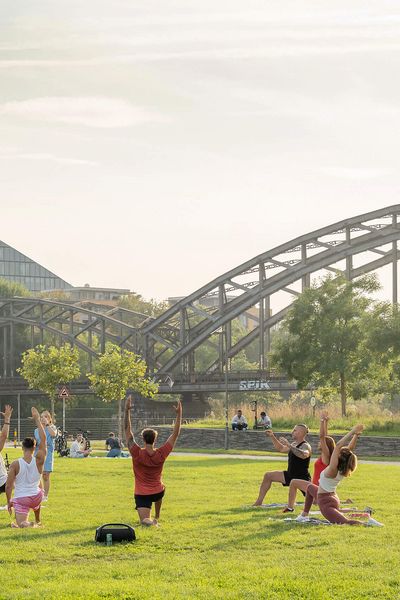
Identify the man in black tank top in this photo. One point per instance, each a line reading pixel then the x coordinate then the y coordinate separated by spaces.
pixel 299 454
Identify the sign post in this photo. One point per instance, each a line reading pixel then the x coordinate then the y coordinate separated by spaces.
pixel 63 393
pixel 313 403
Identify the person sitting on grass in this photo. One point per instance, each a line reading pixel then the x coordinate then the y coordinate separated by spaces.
pixel 326 446
pixel 3 438
pixel 342 464
pixel 264 421
pixel 148 464
pixel 299 453
pixel 239 421
pixel 24 477
pixel 114 446
pixel 77 449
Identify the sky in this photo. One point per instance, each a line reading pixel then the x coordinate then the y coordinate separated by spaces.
pixel 155 145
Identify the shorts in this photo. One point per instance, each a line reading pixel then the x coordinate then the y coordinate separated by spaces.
pixel 145 501
pixel 288 478
pixel 24 505
pixel 3 488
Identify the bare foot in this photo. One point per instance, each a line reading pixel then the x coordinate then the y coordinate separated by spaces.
pixel 14 526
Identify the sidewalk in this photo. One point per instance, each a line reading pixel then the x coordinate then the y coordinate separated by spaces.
pixel 272 458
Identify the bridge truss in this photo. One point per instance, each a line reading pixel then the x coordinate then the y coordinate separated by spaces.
pixel 352 247
pixel 195 342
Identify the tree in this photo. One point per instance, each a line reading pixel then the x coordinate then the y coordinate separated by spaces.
pixel 9 289
pixel 117 371
pixel 137 303
pixel 323 335
pixel 45 367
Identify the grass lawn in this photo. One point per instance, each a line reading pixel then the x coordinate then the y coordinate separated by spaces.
pixel 208 545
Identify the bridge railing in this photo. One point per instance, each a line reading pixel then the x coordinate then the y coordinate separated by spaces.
pixel 233 376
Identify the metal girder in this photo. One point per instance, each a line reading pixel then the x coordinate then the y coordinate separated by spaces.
pixel 317 251
pixel 63 320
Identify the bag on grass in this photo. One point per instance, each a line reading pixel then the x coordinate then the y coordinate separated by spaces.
pixel 119 532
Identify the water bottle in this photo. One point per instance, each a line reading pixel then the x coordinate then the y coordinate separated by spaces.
pixel 109 539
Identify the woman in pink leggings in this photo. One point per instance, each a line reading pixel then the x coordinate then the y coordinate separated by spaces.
pixel 342 464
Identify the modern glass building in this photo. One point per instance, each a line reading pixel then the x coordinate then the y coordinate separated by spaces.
pixel 17 267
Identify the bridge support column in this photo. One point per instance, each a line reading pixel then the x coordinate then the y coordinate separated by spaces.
pixel 394 265
pixel 195 405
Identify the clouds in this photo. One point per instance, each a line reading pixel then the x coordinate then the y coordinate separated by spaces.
pixel 98 112
pixel 46 158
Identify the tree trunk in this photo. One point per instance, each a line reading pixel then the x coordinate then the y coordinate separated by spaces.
pixel 343 395
pixel 52 407
pixel 120 419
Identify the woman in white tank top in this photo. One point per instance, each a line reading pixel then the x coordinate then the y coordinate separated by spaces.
pixel 342 464
pixel 24 477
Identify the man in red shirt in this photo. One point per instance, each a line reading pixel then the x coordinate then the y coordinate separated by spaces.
pixel 148 464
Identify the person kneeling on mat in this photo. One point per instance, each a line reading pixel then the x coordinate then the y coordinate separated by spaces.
pixel 24 477
pixel 342 463
pixel 299 453
pixel 148 464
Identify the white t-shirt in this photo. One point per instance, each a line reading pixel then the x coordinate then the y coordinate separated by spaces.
pixel 241 420
pixel 76 449
pixel 3 471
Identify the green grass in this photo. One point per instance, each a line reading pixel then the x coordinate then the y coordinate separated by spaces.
pixel 374 426
pixel 208 546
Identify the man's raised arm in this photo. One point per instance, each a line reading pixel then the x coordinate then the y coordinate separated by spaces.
pixel 42 448
pixel 177 427
pixel 6 425
pixel 281 447
pixel 130 440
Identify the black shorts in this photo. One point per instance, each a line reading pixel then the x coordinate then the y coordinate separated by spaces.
pixel 147 500
pixel 3 488
pixel 288 478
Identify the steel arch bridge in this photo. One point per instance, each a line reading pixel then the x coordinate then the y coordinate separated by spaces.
pixel 352 247
pixel 202 325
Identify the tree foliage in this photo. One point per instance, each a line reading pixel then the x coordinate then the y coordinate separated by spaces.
pixel 45 367
pixel 323 337
pixel 10 289
pixel 117 371
pixel 137 303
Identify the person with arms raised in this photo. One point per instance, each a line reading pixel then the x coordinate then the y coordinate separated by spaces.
pixel 148 464
pixel 24 478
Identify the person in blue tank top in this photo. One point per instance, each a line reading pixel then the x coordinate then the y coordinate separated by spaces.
pixel 51 432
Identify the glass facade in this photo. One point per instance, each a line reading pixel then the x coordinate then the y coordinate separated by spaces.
pixel 17 267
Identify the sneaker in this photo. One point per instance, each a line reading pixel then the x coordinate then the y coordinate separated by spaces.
pixel 368 510
pixel 302 519
pixel 288 509
pixel 374 523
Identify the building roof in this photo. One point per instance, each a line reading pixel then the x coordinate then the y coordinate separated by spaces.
pixel 17 267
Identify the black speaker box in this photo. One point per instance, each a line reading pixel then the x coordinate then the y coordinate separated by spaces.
pixel 119 531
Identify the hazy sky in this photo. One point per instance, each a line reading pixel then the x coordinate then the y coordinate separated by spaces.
pixel 155 145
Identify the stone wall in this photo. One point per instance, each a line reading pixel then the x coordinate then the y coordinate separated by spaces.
pixel 214 439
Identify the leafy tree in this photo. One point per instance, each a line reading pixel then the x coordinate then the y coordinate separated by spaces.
pixel 9 289
pixel 324 333
pixel 137 303
pixel 117 371
pixel 45 367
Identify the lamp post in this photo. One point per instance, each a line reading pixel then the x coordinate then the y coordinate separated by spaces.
pixel 226 393
pixel 224 357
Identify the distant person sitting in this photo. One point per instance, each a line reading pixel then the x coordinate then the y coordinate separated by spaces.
pixel 77 449
pixel 264 421
pixel 114 446
pixel 239 421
